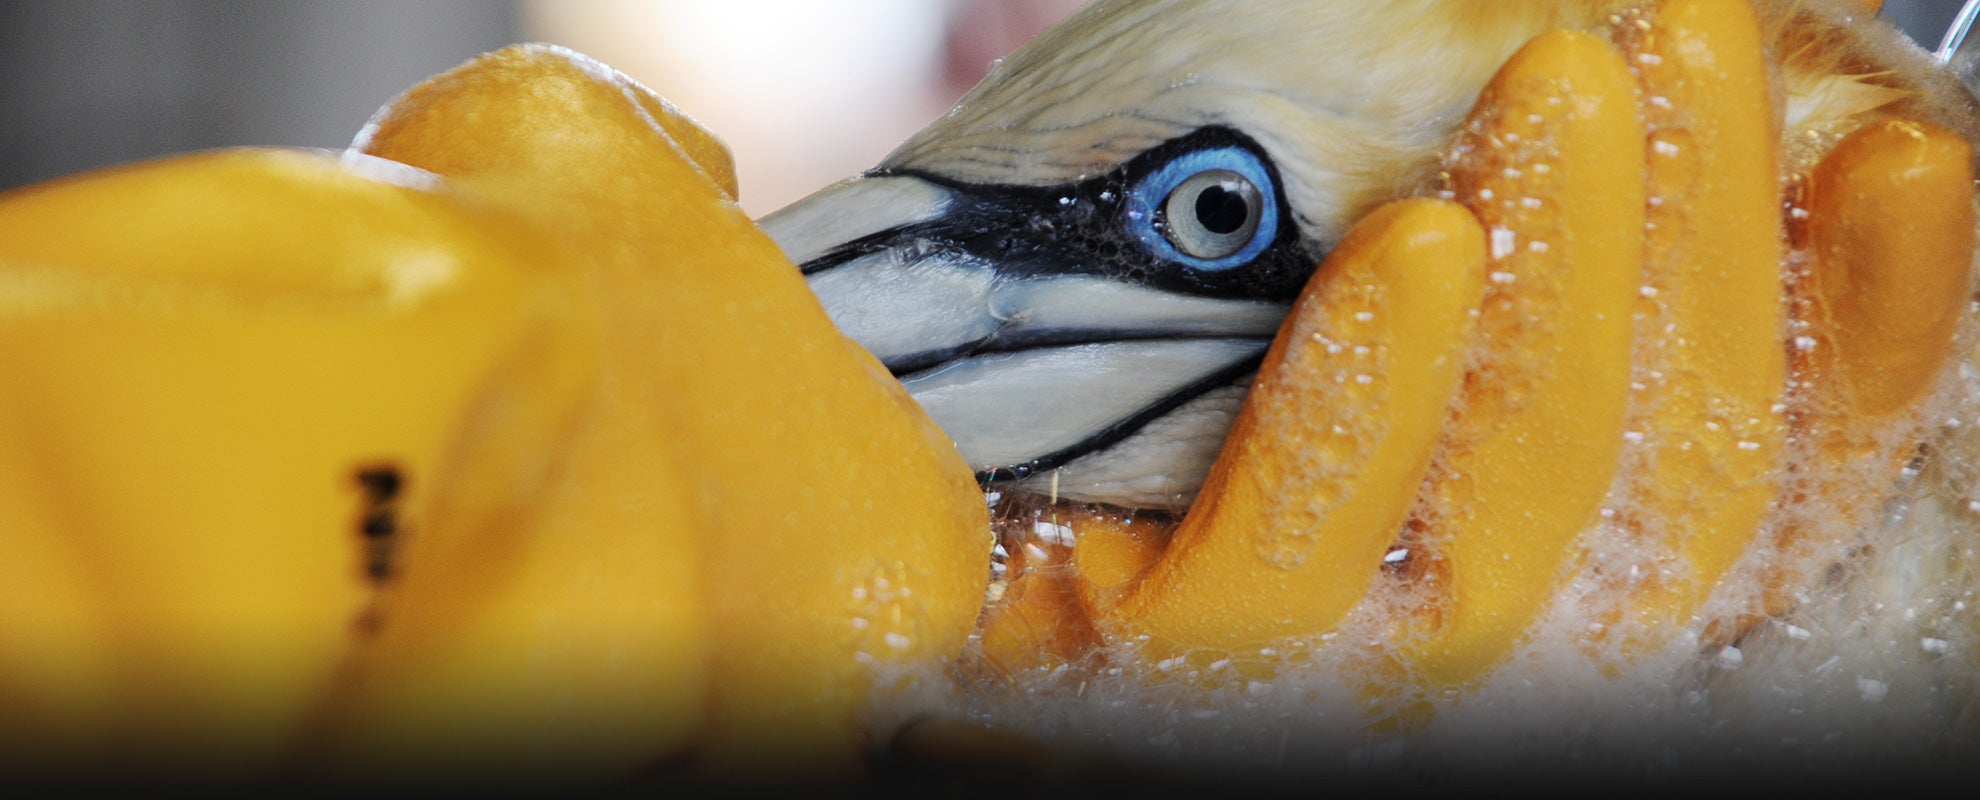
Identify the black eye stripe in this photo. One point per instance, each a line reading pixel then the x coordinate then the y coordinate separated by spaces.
pixel 1081 229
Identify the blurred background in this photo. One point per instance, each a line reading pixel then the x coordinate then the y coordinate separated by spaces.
pixel 804 91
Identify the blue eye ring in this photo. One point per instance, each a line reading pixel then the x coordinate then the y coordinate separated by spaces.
pixel 1235 172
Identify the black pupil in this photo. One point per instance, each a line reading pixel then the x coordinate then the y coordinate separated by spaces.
pixel 1221 210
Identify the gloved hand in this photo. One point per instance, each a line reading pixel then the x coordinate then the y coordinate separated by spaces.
pixel 501 448
pixel 1617 392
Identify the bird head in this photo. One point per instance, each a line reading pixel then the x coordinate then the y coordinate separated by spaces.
pixel 1078 269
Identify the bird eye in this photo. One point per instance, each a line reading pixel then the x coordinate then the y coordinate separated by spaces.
pixel 1210 209
pixel 1213 214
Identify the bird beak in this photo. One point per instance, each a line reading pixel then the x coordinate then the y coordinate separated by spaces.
pixel 1028 359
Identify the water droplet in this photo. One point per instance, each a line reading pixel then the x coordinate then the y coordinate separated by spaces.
pixel 1053 532
pixel 1872 690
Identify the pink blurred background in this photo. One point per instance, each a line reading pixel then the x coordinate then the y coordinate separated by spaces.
pixel 804 91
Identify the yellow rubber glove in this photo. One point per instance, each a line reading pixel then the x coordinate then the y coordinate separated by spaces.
pixel 1708 417
pixel 538 463
pixel 1321 467
pixel 842 541
pixel 1890 231
pixel 237 382
pixel 1624 424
